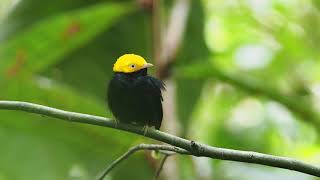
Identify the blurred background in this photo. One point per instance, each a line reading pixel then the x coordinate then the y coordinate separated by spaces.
pixel 241 74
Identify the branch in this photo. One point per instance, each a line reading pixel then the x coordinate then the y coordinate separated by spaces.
pixel 195 148
pixel 138 148
pixel 298 106
pixel 165 157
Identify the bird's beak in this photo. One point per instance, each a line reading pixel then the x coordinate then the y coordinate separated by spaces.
pixel 147 65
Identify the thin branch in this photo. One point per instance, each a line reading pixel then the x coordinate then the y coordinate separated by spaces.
pixel 172 36
pixel 175 31
pixel 195 148
pixel 167 40
pixel 138 148
pixel 298 106
pixel 161 166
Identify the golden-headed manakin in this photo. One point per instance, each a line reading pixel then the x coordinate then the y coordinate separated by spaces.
pixel 133 96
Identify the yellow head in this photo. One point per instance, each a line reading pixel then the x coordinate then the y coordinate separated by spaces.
pixel 130 63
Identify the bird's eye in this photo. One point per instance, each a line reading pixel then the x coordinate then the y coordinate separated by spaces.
pixel 132 65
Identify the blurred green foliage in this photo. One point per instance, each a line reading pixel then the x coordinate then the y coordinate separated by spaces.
pixel 60 54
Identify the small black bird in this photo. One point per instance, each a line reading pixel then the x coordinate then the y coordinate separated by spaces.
pixel 133 96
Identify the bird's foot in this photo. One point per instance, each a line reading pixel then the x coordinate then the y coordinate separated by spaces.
pixel 116 122
pixel 145 129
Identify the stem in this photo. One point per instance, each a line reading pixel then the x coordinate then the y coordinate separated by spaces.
pixel 161 166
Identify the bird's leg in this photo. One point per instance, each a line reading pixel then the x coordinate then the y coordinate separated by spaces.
pixel 116 122
pixel 145 129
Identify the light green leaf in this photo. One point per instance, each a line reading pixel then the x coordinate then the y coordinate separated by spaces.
pixel 5 7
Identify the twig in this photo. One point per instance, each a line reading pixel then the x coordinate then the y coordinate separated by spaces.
pixel 161 166
pixel 138 148
pixel 195 148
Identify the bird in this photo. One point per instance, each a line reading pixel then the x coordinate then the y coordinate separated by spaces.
pixel 133 96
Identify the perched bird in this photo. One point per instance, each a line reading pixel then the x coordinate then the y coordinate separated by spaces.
pixel 133 96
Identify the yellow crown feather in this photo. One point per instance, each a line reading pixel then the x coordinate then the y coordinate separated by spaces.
pixel 129 63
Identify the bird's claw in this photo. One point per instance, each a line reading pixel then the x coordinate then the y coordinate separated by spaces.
pixel 116 123
pixel 145 130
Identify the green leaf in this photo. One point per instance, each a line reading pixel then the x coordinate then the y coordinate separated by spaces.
pixel 45 43
pixel 99 55
pixel 5 7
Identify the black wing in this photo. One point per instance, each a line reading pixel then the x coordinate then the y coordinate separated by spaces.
pixel 115 95
pixel 150 90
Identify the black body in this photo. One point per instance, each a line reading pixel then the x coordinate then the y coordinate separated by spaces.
pixel 136 98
